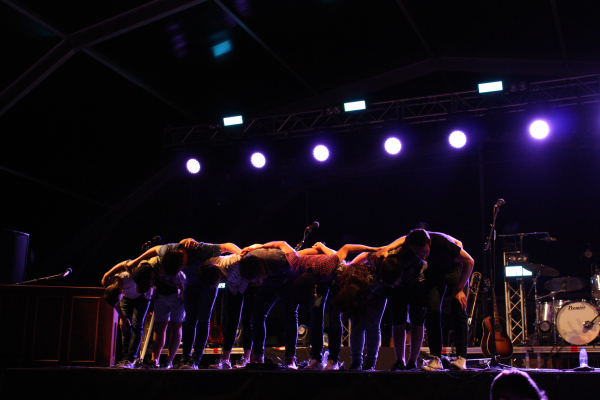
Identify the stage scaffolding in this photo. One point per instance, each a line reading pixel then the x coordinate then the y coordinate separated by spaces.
pixel 567 92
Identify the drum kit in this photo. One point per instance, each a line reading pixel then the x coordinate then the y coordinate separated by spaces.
pixel 575 321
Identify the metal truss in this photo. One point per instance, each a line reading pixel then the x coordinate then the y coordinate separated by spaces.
pixel 515 303
pixel 516 314
pixel 568 92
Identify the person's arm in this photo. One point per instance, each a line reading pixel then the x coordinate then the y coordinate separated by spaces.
pixel 353 248
pixel 107 278
pixel 360 259
pixel 321 248
pixel 153 252
pixel 467 268
pixel 230 248
pixel 283 246
pixel 309 252
pixel 189 243
pixel 122 319
pixel 383 252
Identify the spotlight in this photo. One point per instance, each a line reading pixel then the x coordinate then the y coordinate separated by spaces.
pixel 329 111
pixel 258 160
pixel 457 139
pixel 355 105
pixel 513 87
pixel 539 129
pixel 303 338
pixel 193 166
pixel 321 153
pixel 233 120
pixel 393 145
pixel 523 86
pixel 490 87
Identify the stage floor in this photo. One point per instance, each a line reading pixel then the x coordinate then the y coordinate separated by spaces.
pixel 75 383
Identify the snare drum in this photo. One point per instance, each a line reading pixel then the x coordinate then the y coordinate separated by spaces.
pixel 570 319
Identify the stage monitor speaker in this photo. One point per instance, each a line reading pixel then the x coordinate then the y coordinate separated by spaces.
pixel 13 256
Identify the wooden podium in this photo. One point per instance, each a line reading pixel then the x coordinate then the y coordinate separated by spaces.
pixel 56 326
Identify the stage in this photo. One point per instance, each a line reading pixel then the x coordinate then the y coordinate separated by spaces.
pixel 67 383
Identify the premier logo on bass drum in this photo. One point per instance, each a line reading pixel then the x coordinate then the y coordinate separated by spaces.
pixel 576 308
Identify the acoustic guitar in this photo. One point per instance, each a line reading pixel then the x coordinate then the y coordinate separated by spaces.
pixel 504 347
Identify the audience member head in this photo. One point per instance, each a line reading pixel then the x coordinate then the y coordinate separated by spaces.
pixel 143 276
pixel 252 268
pixel 174 261
pixel 305 288
pixel 515 385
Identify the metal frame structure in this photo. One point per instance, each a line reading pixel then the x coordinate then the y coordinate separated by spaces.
pixel 516 307
pixel 567 92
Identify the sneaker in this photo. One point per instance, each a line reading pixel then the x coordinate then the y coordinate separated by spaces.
pixel 192 363
pixel 291 364
pixel 168 365
pixel 410 365
pixel 241 363
pixel 315 365
pixel 459 363
pixel 434 365
pixel 332 366
pixel 445 362
pixel 125 364
pixel 398 366
pixel 369 366
pixel 221 364
pixel 356 366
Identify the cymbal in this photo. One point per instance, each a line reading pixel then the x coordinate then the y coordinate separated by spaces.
pixel 566 283
pixel 543 270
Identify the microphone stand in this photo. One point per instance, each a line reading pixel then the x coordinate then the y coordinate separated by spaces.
pixel 495 360
pixel 307 232
pixel 47 278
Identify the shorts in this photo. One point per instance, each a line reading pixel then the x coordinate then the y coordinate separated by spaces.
pixel 169 308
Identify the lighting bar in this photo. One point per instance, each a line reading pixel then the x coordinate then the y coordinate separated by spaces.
pixel 355 105
pixel 490 87
pixel 233 120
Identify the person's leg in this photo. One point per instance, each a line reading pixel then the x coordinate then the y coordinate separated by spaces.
pixel 206 301
pixel 191 295
pixel 317 310
pixel 158 341
pixel 417 310
pixel 373 334
pixel 233 309
pixel 336 329
pixel 290 315
pixel 140 309
pixel 459 320
pixel 399 336
pixel 174 341
pixel 357 341
pixel 127 307
pixel 434 297
pixel 265 298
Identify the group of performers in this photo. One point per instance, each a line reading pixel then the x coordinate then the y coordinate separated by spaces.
pixel 411 275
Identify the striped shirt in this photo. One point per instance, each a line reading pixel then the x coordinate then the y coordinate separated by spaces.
pixel 321 265
pixel 230 268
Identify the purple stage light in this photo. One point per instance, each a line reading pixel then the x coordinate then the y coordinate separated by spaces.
pixel 539 129
pixel 321 153
pixel 393 145
pixel 457 139
pixel 258 160
pixel 193 166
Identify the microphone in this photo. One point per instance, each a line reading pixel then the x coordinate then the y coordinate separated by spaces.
pixel 156 239
pixel 67 272
pixel 500 202
pixel 588 325
pixel 312 226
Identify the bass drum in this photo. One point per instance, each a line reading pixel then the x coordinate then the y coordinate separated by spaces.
pixel 570 320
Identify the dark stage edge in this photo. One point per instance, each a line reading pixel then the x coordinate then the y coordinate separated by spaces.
pixel 104 383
